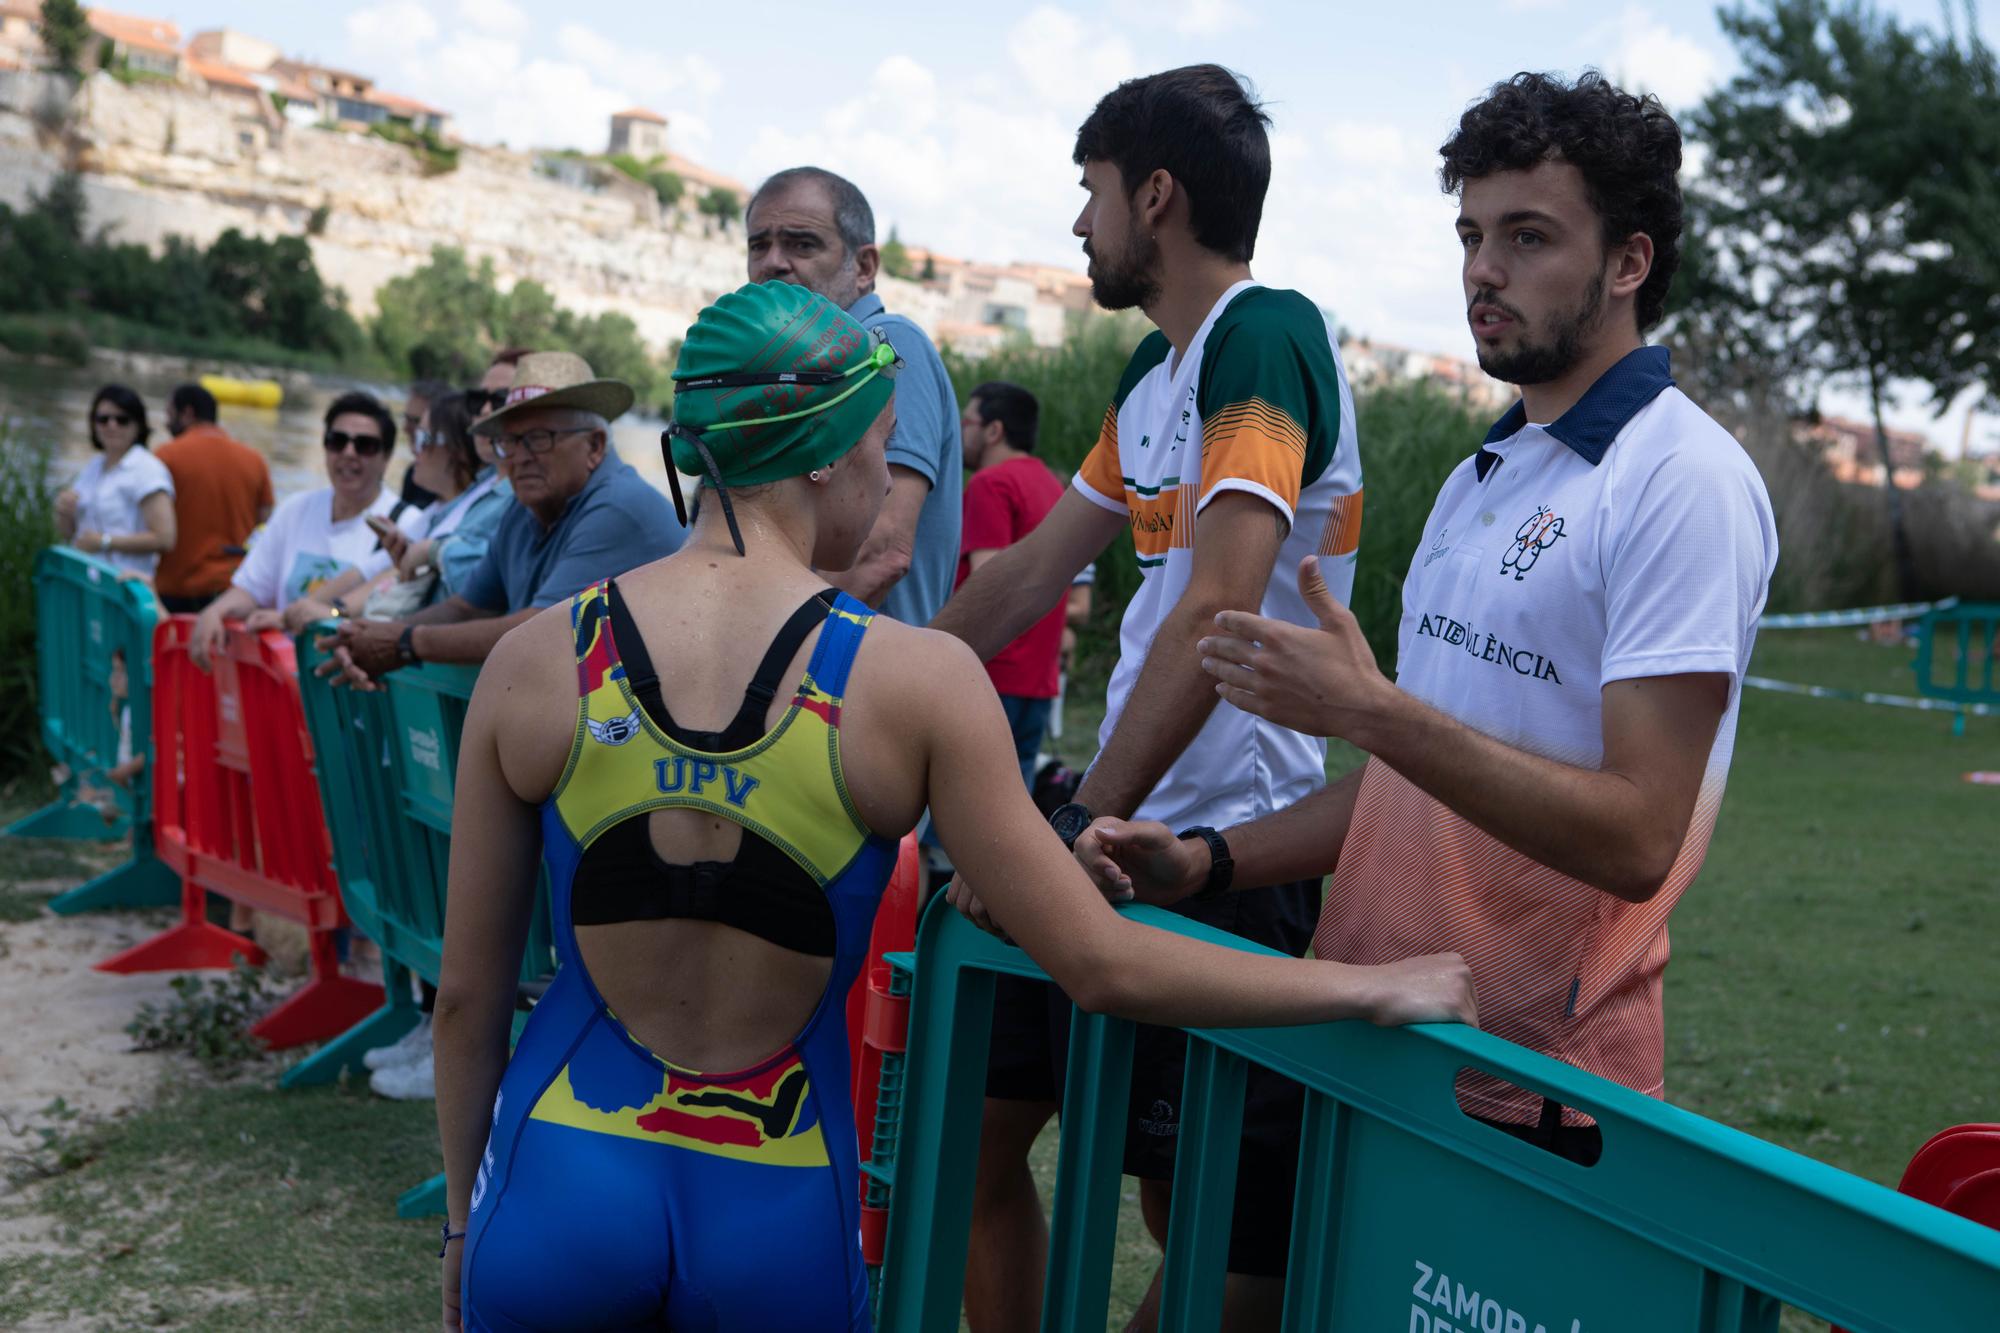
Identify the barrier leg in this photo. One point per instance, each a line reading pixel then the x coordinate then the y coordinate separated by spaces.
pixel 398 1014
pixel 326 1006
pixel 144 881
pixel 1089 1167
pixel 195 943
pixel 66 819
pixel 1322 1180
pixel 1204 1189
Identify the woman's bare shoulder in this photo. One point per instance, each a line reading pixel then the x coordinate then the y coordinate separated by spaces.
pixel 917 663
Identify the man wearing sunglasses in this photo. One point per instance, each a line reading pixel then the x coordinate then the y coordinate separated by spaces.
pixel 314 537
pixel 583 516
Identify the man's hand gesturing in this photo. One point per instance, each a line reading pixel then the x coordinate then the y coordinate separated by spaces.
pixel 1323 682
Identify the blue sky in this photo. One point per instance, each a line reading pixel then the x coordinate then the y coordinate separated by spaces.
pixel 957 119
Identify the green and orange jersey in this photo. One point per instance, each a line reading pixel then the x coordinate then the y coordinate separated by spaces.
pixel 1259 404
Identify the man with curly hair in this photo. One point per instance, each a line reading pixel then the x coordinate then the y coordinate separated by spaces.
pixel 1546 769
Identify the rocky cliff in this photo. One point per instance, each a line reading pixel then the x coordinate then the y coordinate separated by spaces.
pixel 160 160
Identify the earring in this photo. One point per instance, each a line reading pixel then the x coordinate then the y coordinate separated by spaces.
pixel 813 475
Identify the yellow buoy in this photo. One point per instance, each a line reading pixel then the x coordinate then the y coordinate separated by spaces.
pixel 244 393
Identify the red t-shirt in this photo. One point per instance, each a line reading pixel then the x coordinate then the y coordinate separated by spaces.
pixel 1002 505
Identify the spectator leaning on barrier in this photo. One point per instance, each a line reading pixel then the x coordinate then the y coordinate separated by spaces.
pixel 583 515
pixel 459 466
pixel 120 508
pixel 222 491
pixel 1010 493
pixel 1228 450
pixel 813 228
pixel 316 536
pixel 1546 770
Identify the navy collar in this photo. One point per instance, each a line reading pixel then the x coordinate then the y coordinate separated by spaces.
pixel 867 306
pixel 1593 423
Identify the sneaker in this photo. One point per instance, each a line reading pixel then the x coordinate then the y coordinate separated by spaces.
pixel 414 1045
pixel 414 1082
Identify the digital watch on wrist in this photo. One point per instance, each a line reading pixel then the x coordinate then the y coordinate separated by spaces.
pixel 1069 821
pixel 1221 866
pixel 406 646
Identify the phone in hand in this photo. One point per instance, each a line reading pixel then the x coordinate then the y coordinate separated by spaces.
pixel 380 526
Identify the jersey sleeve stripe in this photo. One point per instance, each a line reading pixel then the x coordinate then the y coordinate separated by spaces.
pixel 1100 474
pixel 1342 535
pixel 1257 416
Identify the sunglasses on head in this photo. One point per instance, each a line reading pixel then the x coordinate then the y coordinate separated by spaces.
pixel 367 446
pixel 112 419
pixel 481 401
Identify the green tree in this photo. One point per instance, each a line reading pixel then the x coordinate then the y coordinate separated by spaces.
pixel 667 185
pixel 439 320
pixel 66 33
pixel 1837 183
pixel 896 257
pixel 930 268
pixel 722 204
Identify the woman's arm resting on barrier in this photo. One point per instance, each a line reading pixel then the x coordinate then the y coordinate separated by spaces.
pixel 1040 895
pixel 68 503
pixel 490 900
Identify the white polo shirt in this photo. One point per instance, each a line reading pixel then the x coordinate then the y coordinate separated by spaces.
pixel 1631 537
pixel 1259 404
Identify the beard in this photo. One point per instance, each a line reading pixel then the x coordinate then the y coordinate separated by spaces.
pixel 1538 362
pixel 1129 282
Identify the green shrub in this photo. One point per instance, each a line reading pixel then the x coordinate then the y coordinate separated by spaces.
pixel 44 335
pixel 27 524
pixel 434 155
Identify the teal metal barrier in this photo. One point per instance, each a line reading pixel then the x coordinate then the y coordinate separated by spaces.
pixel 386 761
pixel 84 612
pixel 1961 671
pixel 1411 1217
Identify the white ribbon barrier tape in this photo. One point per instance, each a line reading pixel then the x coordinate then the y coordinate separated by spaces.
pixel 1865 615
pixel 1871 697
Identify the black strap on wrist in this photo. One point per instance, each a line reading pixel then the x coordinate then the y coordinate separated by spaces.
pixel 1221 866
pixel 406 645
pixel 446 1237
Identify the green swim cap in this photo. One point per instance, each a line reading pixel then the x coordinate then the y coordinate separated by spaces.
pixel 776 382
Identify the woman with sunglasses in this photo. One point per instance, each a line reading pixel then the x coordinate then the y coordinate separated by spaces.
pixel 432 560
pixel 314 537
pixel 672 1142
pixel 120 508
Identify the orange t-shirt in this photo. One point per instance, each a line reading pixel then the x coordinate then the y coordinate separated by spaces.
pixel 220 486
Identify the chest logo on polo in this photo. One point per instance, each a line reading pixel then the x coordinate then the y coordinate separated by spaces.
pixel 616 731
pixel 680 775
pixel 1538 533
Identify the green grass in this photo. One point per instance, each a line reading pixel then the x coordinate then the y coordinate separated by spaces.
pixel 1831 991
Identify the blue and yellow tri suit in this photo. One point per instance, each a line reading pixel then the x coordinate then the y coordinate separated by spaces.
pixel 618 1191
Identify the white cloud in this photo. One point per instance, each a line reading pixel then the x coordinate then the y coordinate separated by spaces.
pixel 1358 143
pixel 559 95
pixel 394 23
pixel 497 18
pixel 1064 62
pixel 1652 56
pixel 1186 18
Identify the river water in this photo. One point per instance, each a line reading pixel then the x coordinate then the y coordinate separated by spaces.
pixel 50 402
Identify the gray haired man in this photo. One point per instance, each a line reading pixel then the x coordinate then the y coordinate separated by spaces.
pixel 810 227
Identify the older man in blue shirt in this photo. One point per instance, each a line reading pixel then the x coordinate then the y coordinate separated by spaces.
pixel 583 515
pixel 813 228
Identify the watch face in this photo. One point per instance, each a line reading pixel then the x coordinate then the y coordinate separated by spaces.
pixel 1069 821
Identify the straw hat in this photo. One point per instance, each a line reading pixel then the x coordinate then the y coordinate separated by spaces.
pixel 556 379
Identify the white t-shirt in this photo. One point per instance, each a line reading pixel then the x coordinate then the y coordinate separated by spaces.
pixel 108 502
pixel 301 547
pixel 1259 404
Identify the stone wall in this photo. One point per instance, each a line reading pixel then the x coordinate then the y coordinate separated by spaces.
pixel 160 160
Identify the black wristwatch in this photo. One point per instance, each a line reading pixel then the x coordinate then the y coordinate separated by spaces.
pixel 1069 821
pixel 1221 866
pixel 406 647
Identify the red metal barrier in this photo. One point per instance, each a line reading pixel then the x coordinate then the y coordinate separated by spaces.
pixel 237 813
pixel 895 932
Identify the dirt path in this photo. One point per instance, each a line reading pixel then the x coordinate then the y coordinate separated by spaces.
pixel 62 1024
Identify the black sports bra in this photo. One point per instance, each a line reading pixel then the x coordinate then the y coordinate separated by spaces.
pixel 621 877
